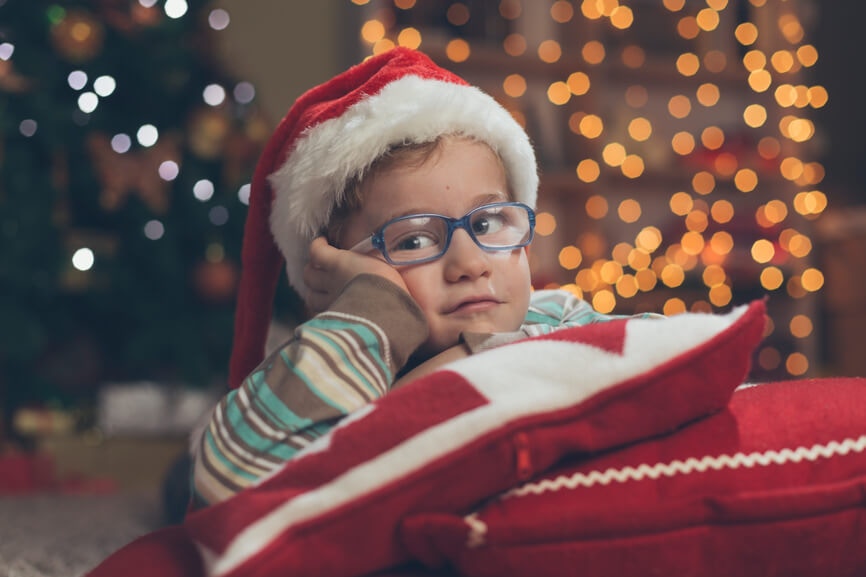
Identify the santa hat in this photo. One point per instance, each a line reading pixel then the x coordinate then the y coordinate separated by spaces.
pixel 334 132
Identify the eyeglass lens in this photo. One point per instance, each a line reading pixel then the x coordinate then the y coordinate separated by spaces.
pixel 420 237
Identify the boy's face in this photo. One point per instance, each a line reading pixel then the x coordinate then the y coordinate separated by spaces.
pixel 468 288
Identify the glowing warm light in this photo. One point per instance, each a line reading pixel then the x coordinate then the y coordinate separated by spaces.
pixel 604 301
pixel 570 257
pixel 708 94
pixel 514 85
pixel 674 5
pixel 801 326
pixel 763 251
pixel 797 364
pixel 707 19
pixel 712 137
pixel 688 28
pixel 640 129
pixel 638 259
pixel 721 295
pixel 703 182
pixel 811 202
pixel 545 223
pixel 409 37
pixel 372 31
pixel 714 275
pixel 786 95
pixel 620 252
pixel 622 17
pixel 649 239
pixel 688 64
pixel 558 93
pixel 681 203
pixel 683 143
pixel 457 50
pixel 578 83
pixel 590 9
pixel 760 80
pixel 591 126
pixel 629 210
pixel 632 166
pixel 812 279
pixel 697 221
pixel 627 286
pixel 673 275
pixel 674 306
pixel 807 55
pixel 754 60
pixel 409 4
pixel 755 115
pixel 679 106
pixel 746 180
pixel 562 11
pixel 791 28
pixel 514 44
pixel 722 211
pixel 800 129
pixel 746 33
pixel 593 52
pixel 722 242
pixel 613 154
pixel 692 243
pixel 549 51
pixel 782 61
pixel 771 278
pixel 587 280
pixel 383 45
pixel 588 170
pixel 610 272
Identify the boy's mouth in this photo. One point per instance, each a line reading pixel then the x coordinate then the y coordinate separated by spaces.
pixel 474 304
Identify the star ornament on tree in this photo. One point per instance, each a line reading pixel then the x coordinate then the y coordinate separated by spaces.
pixel 123 174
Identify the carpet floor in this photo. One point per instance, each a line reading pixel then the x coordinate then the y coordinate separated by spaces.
pixel 49 535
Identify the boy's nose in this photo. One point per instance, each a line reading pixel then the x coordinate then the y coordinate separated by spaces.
pixel 465 259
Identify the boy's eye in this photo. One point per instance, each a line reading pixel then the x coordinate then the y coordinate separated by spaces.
pixel 414 241
pixel 488 223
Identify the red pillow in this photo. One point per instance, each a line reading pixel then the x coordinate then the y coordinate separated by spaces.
pixel 469 432
pixel 775 485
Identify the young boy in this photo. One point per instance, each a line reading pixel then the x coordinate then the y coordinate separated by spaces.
pixel 400 199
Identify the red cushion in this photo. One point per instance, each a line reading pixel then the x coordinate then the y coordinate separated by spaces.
pixel 458 436
pixel 774 485
pixel 167 552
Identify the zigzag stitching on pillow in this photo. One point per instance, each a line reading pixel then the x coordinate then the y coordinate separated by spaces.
pixel 767 458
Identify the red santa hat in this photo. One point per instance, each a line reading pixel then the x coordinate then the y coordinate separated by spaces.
pixel 334 132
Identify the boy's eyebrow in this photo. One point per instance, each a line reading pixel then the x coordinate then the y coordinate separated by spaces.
pixel 477 201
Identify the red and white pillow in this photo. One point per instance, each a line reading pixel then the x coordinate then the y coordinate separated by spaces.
pixel 774 485
pixel 465 434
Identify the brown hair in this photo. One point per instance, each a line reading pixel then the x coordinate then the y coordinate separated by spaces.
pixel 404 154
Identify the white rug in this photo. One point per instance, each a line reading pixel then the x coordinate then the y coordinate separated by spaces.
pixel 68 535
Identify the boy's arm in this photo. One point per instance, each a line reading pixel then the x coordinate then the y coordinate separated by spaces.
pixel 337 362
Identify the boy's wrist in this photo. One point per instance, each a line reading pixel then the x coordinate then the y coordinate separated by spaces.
pixel 391 308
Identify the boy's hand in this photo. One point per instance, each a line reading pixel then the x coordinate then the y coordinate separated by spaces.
pixel 330 269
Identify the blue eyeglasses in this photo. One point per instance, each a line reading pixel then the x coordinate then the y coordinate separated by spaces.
pixel 418 238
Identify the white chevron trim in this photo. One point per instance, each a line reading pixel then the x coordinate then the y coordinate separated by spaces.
pixel 764 459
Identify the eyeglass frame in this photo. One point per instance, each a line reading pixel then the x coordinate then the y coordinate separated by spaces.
pixel 377 239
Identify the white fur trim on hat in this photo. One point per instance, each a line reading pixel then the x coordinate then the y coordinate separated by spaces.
pixel 310 183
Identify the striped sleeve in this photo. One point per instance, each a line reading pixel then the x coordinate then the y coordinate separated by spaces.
pixel 335 364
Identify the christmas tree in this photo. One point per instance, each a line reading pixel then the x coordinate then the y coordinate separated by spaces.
pixel 125 155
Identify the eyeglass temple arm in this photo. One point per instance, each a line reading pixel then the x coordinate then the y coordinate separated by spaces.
pixel 364 246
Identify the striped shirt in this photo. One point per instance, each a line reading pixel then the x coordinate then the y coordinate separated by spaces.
pixel 334 364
